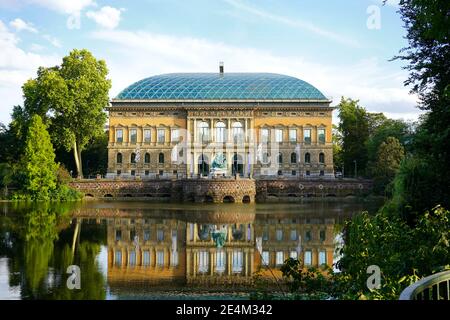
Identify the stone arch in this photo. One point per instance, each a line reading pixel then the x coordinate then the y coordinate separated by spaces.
pixel 246 199
pixel 89 195
pixel 237 165
pixel 203 164
pixel 228 199
pixel 108 195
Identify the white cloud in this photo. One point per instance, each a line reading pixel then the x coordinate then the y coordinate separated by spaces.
pixel 107 17
pixel 374 83
pixel 64 6
pixel 72 8
pixel 36 47
pixel 54 41
pixel 21 25
pixel 16 66
pixel 300 24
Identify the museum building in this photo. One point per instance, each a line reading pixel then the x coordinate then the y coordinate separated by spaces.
pixel 189 125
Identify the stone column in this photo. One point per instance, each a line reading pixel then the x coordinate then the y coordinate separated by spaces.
pixel 228 262
pixel 188 262
pixel 194 131
pixel 211 125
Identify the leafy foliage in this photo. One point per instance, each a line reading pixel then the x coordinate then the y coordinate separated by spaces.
pixel 390 155
pixel 38 162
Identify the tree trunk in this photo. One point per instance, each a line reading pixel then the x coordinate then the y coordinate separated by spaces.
pixel 77 156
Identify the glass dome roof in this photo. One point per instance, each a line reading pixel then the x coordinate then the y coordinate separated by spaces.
pixel 216 86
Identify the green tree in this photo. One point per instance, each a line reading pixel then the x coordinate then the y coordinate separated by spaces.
pixel 38 162
pixel 75 93
pixel 354 128
pixel 390 155
pixel 428 55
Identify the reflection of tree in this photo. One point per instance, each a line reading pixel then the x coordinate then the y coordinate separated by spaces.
pixel 39 254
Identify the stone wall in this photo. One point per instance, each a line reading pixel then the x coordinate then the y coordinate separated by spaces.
pixel 222 190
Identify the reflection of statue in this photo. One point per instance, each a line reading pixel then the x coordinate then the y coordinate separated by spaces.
pixel 219 236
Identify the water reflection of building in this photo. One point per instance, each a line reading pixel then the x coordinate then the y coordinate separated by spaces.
pixel 211 249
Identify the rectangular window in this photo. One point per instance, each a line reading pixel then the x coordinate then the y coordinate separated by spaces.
pixel 146 258
pixel 237 261
pixel 174 259
pixel 293 254
pixel 146 235
pixel 159 258
pixel 265 236
pixel 321 135
pixel 308 258
pixel 161 135
pixel 147 172
pixel 294 173
pixel 293 135
pixel 322 235
pixel 279 234
pixel 133 172
pixel 264 135
pixel 293 235
pixel 265 258
pixel 118 258
pixel 147 135
pixel 308 235
pixel 119 135
pixel 133 135
pixel 322 258
pixel 175 136
pixel 118 235
pixel 279 258
pixel 307 135
pixel 119 172
pixel 203 261
pixel 220 261
pixel 278 135
pixel 160 235
pixel 132 258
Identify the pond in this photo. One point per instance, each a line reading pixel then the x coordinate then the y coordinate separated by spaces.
pixel 139 250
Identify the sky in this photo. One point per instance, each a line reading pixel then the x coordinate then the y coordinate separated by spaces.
pixel 342 47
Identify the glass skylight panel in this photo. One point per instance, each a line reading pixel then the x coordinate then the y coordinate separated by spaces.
pixel 226 86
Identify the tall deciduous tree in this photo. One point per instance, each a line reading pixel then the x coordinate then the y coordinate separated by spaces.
pixel 72 97
pixel 354 128
pixel 389 156
pixel 38 162
pixel 428 55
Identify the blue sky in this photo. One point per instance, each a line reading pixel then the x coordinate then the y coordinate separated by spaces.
pixel 327 43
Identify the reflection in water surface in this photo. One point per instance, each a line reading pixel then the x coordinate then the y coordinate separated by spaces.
pixel 141 250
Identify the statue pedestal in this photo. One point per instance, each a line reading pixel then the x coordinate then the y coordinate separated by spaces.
pixel 216 172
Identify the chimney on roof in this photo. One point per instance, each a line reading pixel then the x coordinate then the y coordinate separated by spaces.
pixel 221 67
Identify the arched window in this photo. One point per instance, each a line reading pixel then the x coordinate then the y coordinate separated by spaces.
pixel 238 134
pixel 307 158
pixel 280 158
pixel 321 157
pixel 203 131
pixel 293 157
pixel 161 158
pixel 220 132
pixel 265 158
pixel 133 157
pixel 119 158
pixel 147 158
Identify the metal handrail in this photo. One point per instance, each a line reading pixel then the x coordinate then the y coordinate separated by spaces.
pixel 434 287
